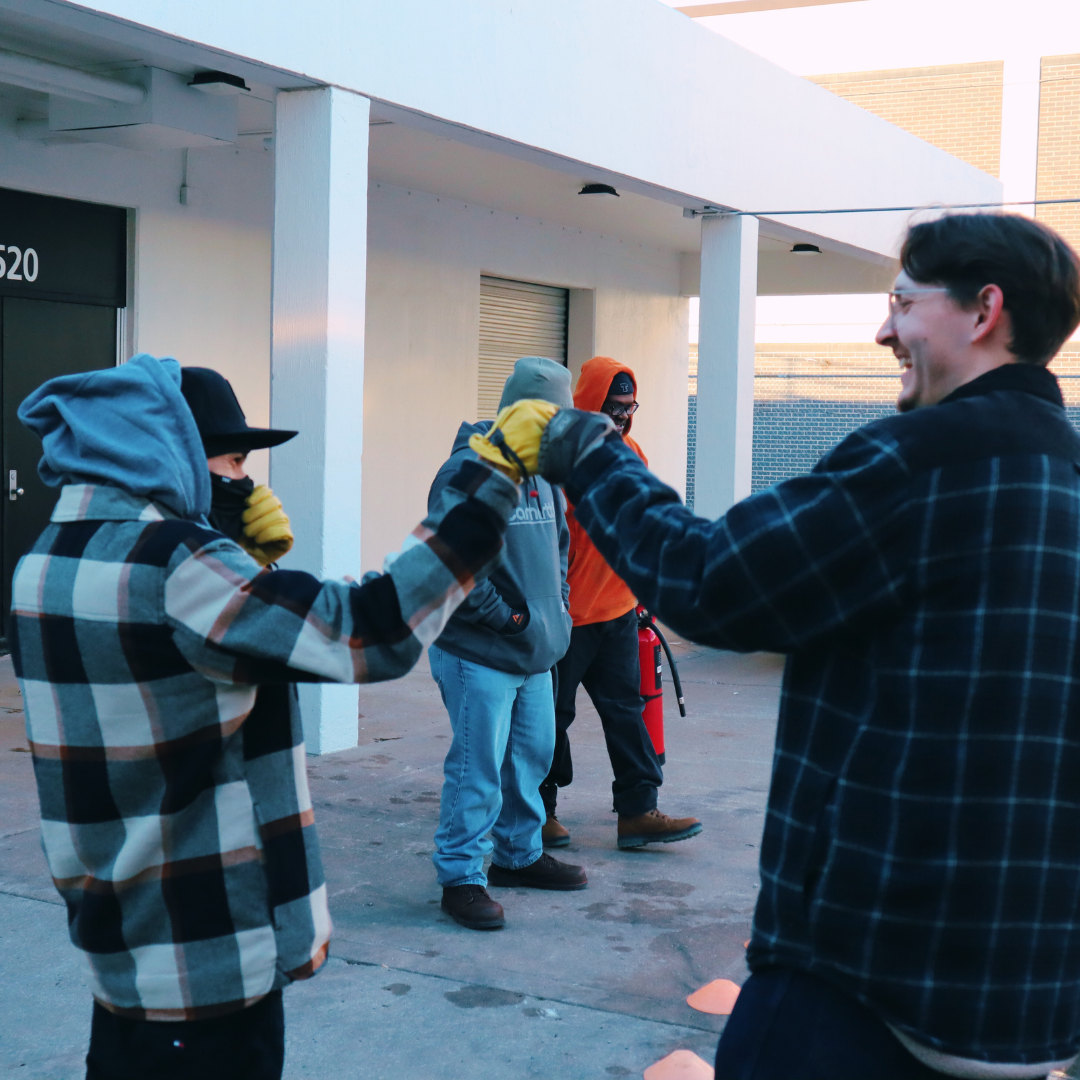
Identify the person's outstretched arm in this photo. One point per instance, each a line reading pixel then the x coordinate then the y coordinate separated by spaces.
pixel 483 605
pixel 805 558
pixel 236 623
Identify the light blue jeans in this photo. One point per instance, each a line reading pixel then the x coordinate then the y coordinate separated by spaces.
pixel 504 736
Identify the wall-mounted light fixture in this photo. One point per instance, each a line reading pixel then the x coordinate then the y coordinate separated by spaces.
pixel 598 189
pixel 218 82
pixel 806 249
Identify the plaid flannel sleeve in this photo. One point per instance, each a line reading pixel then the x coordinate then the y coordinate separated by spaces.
pixel 800 560
pixel 235 623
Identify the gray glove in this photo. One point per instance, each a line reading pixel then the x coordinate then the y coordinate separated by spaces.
pixel 571 435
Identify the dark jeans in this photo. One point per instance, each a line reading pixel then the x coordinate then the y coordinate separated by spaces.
pixel 244 1045
pixel 603 657
pixel 789 1025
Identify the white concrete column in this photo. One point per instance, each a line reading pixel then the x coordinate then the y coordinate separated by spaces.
pixel 1020 129
pixel 725 397
pixel 317 358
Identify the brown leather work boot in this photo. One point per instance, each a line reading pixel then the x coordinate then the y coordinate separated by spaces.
pixel 655 828
pixel 554 832
pixel 471 906
pixel 545 873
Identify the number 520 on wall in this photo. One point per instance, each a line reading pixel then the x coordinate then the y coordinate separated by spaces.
pixel 20 265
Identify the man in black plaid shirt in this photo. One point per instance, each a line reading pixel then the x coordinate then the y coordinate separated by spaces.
pixel 920 866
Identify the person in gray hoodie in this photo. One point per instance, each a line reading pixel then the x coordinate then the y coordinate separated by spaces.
pixel 492 664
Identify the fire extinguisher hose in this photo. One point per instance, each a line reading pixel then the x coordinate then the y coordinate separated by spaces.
pixel 648 621
pixel 674 669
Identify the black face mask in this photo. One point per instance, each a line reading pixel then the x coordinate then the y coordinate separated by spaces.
pixel 228 501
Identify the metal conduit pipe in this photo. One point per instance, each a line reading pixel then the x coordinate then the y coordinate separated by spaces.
pixel 48 78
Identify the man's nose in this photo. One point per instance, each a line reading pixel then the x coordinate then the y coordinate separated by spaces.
pixel 886 333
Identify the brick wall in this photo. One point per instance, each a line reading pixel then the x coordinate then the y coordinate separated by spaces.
pixel 691 425
pixel 1066 366
pixel 1059 144
pixel 957 108
pixel 809 397
pixel 806 399
pixel 691 447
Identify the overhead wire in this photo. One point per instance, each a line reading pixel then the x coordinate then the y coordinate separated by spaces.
pixel 719 212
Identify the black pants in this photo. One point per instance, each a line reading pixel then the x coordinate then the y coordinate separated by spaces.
pixel 244 1045
pixel 603 657
pixel 790 1025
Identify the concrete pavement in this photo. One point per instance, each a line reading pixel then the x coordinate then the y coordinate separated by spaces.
pixel 586 984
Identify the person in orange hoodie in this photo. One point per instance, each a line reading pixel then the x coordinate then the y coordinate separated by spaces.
pixel 603 656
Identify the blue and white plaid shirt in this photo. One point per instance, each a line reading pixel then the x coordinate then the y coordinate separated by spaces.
pixel 176 818
pixel 922 839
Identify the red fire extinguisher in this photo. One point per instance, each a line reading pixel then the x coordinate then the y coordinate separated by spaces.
pixel 650 642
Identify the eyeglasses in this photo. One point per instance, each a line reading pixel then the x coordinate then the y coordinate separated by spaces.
pixel 902 299
pixel 616 410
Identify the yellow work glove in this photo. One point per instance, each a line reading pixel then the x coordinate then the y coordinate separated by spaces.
pixel 513 444
pixel 267 535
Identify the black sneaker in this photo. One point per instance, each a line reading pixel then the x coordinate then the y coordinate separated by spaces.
pixel 545 873
pixel 470 905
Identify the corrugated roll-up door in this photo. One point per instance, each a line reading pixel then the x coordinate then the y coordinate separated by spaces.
pixel 516 319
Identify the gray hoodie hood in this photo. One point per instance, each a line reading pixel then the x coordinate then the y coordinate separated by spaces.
pixel 531 576
pixel 538 377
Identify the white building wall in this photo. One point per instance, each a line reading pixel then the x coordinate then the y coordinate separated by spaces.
pixel 201 271
pixel 426 255
pixel 201 283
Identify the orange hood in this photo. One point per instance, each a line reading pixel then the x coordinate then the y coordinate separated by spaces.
pixel 595 381
pixel 597 594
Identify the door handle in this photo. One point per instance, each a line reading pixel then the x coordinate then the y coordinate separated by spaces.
pixel 14 491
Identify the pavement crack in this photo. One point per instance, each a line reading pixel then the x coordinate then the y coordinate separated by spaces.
pixel 535 997
pixel 19 832
pixel 36 899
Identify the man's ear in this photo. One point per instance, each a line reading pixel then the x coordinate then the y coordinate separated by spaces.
pixel 989 309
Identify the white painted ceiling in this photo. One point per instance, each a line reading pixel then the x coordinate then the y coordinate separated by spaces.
pixel 410 158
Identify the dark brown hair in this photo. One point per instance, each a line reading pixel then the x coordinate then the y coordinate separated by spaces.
pixel 1037 272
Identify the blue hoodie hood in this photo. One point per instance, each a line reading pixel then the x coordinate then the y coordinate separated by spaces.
pixel 127 427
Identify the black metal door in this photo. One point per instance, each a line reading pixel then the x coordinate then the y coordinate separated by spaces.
pixel 39 339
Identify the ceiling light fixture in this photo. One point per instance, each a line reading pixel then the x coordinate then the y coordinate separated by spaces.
pixel 806 249
pixel 218 82
pixel 599 189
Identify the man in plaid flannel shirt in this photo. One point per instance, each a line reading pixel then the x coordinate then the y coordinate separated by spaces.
pixel 176 818
pixel 920 867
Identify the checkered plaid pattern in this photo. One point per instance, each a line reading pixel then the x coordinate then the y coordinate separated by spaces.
pixel 155 660
pixel 922 839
